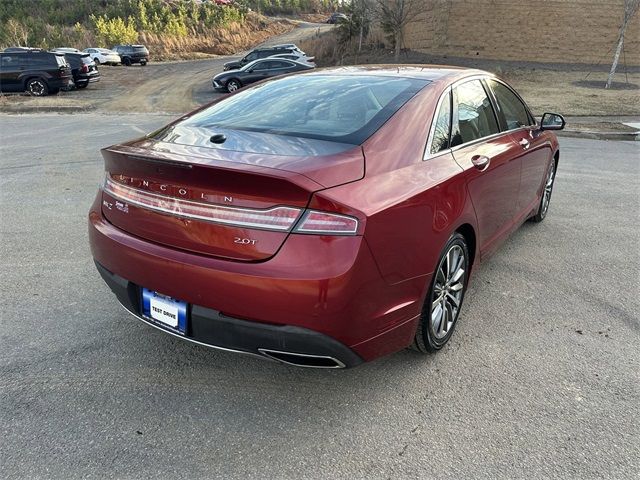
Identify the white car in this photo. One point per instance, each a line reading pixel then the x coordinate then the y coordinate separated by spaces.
pixel 298 56
pixel 103 56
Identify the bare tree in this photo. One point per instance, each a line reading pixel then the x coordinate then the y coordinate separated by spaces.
pixel 395 15
pixel 630 9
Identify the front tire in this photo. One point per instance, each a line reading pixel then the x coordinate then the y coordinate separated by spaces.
pixel 143 63
pixel 444 299
pixel 233 85
pixel 126 62
pixel 543 208
pixel 37 87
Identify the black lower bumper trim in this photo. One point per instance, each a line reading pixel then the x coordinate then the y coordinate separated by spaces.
pixel 211 328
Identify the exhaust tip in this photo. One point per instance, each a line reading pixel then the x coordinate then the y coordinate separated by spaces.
pixel 302 359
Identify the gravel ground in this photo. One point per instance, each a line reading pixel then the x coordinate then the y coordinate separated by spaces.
pixel 166 87
pixel 542 378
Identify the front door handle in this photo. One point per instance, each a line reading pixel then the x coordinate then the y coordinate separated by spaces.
pixel 481 162
pixel 524 143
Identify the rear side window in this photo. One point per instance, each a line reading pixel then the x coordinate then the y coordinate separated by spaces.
pixel 514 112
pixel 258 66
pixel 474 117
pixel 44 60
pixel 279 64
pixel 8 60
pixel 440 135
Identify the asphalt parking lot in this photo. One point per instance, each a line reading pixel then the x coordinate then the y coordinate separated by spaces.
pixel 542 378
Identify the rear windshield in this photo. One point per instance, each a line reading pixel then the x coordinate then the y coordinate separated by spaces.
pixel 61 60
pixel 139 49
pixel 340 108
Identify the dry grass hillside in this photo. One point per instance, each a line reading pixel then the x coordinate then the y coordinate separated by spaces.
pixel 235 37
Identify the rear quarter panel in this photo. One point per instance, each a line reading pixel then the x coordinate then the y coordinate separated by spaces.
pixel 412 206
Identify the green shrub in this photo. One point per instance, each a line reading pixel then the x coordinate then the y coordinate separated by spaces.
pixel 113 31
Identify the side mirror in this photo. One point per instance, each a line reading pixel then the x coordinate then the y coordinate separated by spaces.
pixel 552 121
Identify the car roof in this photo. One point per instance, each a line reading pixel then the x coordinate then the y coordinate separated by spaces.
pixel 23 50
pixel 275 47
pixel 425 72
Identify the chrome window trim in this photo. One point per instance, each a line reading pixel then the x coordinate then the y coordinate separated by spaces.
pixel 432 130
pixel 449 88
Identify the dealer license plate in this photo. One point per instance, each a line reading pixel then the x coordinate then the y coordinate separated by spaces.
pixel 166 311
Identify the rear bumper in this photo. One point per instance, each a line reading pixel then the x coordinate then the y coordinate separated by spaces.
pixel 329 286
pixel 285 343
pixel 87 78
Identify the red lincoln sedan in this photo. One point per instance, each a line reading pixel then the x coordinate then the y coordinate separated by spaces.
pixel 322 219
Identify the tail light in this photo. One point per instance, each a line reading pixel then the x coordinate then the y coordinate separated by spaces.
pixel 85 68
pixel 279 218
pixel 323 223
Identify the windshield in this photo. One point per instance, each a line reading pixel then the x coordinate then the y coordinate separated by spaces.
pixel 340 108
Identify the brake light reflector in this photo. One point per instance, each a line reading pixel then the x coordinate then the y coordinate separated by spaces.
pixel 276 218
pixel 327 223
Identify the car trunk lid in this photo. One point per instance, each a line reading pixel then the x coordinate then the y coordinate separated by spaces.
pixel 237 200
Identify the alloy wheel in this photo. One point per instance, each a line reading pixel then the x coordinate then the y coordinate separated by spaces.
pixel 448 290
pixel 232 86
pixel 548 187
pixel 37 88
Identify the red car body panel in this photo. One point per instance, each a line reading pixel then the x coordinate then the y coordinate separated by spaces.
pixel 366 291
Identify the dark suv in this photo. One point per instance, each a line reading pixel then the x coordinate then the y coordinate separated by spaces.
pixel 130 54
pixel 37 72
pixel 258 53
pixel 83 69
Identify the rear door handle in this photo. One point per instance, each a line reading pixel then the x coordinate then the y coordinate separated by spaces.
pixel 524 143
pixel 481 162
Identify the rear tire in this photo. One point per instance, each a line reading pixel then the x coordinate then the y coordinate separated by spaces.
pixel 444 299
pixel 37 87
pixel 549 180
pixel 233 85
pixel 82 85
pixel 96 61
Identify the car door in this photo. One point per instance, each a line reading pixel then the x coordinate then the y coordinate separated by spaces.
pixel 11 66
pixel 259 71
pixel 533 149
pixel 492 169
